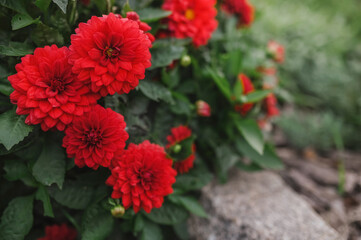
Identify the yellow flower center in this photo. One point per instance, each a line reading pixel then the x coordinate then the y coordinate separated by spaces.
pixel 189 14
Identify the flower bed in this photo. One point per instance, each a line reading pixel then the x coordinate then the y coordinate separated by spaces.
pixel 111 123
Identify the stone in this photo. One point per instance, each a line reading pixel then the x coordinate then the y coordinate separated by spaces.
pixel 257 206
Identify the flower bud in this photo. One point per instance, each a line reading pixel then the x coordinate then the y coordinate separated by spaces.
pixel 203 108
pixel 177 148
pixel 118 211
pixel 186 60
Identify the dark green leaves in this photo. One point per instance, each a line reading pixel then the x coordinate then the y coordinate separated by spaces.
pixel 268 160
pixel 15 5
pixel 155 91
pixel 196 178
pixel 43 195
pixel 165 52
pixel 50 166
pixel 15 49
pixel 62 4
pixel 12 129
pixel 189 203
pixel 152 14
pixel 73 195
pixel 151 231
pixel 45 35
pixel 22 20
pixel 221 82
pixel 168 214
pixel 97 223
pixel 250 131
pixel 17 170
pixel 42 4
pixel 184 149
pixel 17 219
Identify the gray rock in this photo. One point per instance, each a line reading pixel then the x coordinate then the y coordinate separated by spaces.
pixel 257 206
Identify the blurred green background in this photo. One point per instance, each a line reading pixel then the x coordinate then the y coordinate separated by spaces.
pixel 322 70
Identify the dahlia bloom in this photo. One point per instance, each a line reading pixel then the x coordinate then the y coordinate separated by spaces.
pixel 271 105
pixel 203 109
pixel 142 176
pixel 59 232
pixel 94 138
pixel 247 87
pixel 277 51
pixel 47 91
pixel 242 8
pixel 110 53
pixel 178 135
pixel 191 18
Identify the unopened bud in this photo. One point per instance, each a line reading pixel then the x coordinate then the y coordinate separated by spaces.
pixel 203 108
pixel 186 60
pixel 118 211
pixel 177 148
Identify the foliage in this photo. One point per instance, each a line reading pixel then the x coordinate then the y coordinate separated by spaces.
pixel 40 183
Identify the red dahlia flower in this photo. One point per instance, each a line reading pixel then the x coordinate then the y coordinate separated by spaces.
pixel 247 87
pixel 277 51
pixel 203 108
pixel 241 8
pixel 47 91
pixel 191 18
pixel 110 53
pixel 271 105
pixel 142 176
pixel 179 134
pixel 96 137
pixel 59 232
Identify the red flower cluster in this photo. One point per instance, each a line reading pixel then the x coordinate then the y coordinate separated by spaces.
pixel 247 87
pixel 242 8
pixel 277 51
pixel 110 53
pixel 179 134
pixel 203 108
pixel 142 176
pixel 191 18
pixel 96 137
pixel 47 91
pixel 59 232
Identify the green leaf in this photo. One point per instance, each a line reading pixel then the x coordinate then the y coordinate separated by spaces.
pixel 185 150
pixel 250 131
pixel 17 170
pixel 225 159
pixel 43 4
pixel 182 104
pixel 139 223
pixel 165 55
pixel 44 35
pixel 155 91
pixel 43 195
pixel 168 214
pixel 62 4
pixel 15 49
pixel 269 159
pixel 50 166
pixel 126 8
pixel 181 229
pixel 189 203
pixel 22 20
pixel 15 5
pixel 255 96
pixel 75 195
pixel 196 178
pixel 17 219
pixel 221 82
pixel 151 231
pixel 97 223
pixel 13 129
pixel 152 14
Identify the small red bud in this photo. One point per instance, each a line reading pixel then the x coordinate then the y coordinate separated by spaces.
pixel 203 108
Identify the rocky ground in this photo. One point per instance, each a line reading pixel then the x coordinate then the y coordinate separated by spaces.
pixel 316 179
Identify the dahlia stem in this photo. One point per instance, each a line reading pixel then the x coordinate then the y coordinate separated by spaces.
pixel 109 6
pixel 72 13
